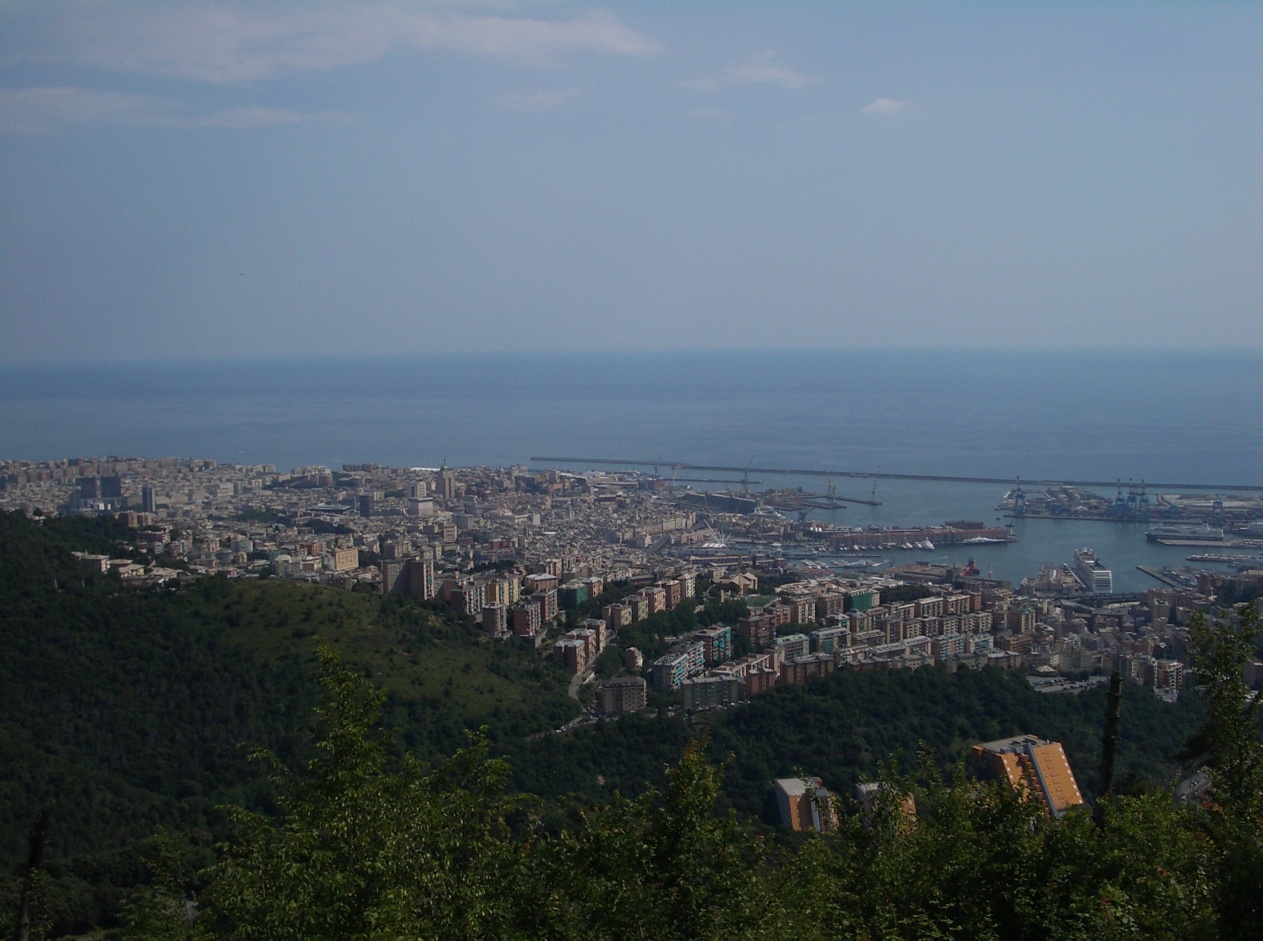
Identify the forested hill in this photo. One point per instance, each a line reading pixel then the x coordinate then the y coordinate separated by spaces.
pixel 845 728
pixel 370 847
pixel 125 711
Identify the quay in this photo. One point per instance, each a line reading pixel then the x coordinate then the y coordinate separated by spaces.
pixel 714 480
pixel 881 475
pixel 1217 544
pixel 1153 572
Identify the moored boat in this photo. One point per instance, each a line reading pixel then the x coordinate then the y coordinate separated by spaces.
pixel 1094 576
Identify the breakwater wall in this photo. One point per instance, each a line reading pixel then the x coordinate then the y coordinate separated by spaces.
pixel 884 475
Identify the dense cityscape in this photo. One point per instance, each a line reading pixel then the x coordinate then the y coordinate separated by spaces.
pixel 588 576
pixel 911 588
pixel 521 552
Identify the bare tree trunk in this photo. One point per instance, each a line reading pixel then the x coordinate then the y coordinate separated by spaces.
pixel 39 840
pixel 1109 745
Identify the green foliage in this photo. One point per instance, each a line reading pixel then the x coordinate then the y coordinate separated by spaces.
pixel 661 866
pixel 367 846
pixel 124 711
pixel 372 846
pixel 846 726
pixel 979 862
pixel 1230 741
pixel 609 663
pixel 162 910
pixel 723 612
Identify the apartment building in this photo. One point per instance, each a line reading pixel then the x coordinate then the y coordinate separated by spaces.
pixel 525 619
pixel 791 646
pixel 495 620
pixel 624 694
pixel 804 804
pixel 806 667
pixel 674 590
pixel 345 559
pixel 409 576
pixel 639 605
pixel 547 602
pixel 828 639
pixel 1033 766
pixel 679 663
pixel 757 630
pixel 717 642
pixel 656 595
pixel 703 692
pixel 571 595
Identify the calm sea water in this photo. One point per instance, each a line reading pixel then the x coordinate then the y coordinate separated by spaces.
pixel 1168 418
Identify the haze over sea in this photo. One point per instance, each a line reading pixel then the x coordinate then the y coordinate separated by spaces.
pixel 1161 417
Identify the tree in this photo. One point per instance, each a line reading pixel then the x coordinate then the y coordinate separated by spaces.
pixel 368 846
pixel 1229 740
pixel 663 866
pixel 1230 743
pixel 371 845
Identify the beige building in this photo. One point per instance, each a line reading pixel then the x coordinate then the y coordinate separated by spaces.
pixel 624 694
pixel 345 560
pixel 804 804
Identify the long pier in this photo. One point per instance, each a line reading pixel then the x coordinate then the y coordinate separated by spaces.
pixel 884 475
pixel 714 480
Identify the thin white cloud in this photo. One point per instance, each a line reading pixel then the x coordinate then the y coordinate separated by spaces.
pixel 47 109
pixel 884 106
pixel 761 70
pixel 224 44
pixel 252 116
pixel 534 102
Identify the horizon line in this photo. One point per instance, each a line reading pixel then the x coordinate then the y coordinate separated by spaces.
pixel 1113 352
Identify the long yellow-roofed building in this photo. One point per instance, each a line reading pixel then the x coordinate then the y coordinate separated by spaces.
pixel 1038 767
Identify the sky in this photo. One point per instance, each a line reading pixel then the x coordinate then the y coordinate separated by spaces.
pixel 203 180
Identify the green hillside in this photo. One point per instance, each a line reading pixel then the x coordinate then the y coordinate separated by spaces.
pixel 370 847
pixel 125 711
pixel 846 727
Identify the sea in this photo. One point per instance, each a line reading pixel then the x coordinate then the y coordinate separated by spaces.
pixel 1162 418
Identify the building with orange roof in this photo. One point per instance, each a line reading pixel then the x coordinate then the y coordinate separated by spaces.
pixel 1034 766
pixel 804 804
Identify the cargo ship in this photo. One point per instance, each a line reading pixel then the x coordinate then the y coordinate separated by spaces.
pixel 1094 576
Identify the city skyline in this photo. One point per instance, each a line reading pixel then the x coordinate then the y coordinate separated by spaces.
pixel 279 179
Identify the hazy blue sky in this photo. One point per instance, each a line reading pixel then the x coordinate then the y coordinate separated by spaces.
pixel 192 179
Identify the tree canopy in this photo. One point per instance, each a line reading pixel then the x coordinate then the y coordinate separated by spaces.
pixel 369 844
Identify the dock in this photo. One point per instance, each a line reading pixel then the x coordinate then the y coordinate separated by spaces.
pixel 1157 573
pixel 881 475
pixel 1226 543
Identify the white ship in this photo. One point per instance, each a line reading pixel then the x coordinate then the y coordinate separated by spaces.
pixel 1094 576
pixel 1185 532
